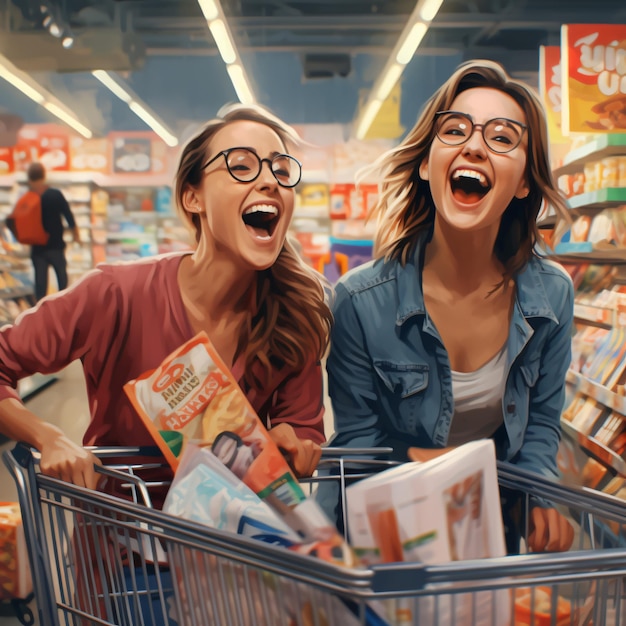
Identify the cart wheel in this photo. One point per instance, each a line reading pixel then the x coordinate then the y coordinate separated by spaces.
pixel 22 610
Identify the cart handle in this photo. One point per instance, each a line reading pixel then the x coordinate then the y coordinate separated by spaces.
pixel 26 455
pixel 104 452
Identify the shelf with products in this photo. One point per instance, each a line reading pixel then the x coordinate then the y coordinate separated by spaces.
pixel 593 178
pixel 138 222
pixel 16 296
pixel 594 417
pixel 600 147
pixel 599 198
pixel 32 385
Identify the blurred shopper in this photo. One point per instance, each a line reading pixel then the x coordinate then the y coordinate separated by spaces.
pixel 54 209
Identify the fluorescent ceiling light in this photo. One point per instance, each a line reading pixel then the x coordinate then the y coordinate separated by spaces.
pixel 414 39
pixel 20 84
pixel 240 83
pixel 216 21
pixel 69 119
pixel 429 9
pixel 22 81
pixel 209 10
pixel 115 84
pixel 389 80
pixel 110 83
pixel 402 53
pixel 222 41
pixel 369 114
pixel 157 126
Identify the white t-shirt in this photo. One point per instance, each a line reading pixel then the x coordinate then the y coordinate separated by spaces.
pixel 478 401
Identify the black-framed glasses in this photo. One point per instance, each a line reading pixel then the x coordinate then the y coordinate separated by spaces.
pixel 500 134
pixel 245 166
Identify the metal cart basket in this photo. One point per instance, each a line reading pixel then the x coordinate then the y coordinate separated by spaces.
pixel 99 559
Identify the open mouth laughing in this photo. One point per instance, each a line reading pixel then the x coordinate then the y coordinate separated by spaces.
pixel 261 220
pixel 469 186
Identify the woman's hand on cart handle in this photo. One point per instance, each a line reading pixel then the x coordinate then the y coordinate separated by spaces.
pixel 549 531
pixel 62 458
pixel 303 455
pixel 426 454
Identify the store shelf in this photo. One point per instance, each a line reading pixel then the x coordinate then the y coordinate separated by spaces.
pixel 597 391
pixel 600 199
pixel 614 256
pixel 15 292
pixel 600 317
pixel 103 180
pixel 29 387
pixel 597 449
pixel 604 145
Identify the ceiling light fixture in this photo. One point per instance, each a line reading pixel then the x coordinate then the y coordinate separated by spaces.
pixel 116 86
pixel 214 15
pixel 412 35
pixel 20 80
pixel 240 83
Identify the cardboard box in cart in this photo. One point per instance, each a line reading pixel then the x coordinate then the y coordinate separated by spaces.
pixel 15 576
pixel 447 509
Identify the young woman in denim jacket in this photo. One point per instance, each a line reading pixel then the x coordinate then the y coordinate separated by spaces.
pixel 458 330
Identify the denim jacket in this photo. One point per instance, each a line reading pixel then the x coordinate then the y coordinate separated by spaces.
pixel 389 374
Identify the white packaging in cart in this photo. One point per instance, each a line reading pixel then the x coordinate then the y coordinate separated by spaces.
pixel 443 510
pixel 205 490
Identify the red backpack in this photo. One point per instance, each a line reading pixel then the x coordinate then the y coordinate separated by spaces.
pixel 25 221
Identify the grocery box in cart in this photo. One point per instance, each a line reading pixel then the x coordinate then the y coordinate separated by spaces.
pixel 446 509
pixel 15 576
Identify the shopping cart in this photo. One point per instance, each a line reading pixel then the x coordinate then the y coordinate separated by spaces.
pixel 100 559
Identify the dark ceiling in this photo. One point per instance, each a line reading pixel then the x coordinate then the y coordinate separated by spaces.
pixel 310 61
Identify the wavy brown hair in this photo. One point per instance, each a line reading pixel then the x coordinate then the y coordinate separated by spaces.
pixel 289 321
pixel 405 205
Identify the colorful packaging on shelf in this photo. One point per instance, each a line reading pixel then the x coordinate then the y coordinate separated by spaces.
pixel 15 575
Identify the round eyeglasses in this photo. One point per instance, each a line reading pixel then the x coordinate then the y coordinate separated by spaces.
pixel 500 134
pixel 245 166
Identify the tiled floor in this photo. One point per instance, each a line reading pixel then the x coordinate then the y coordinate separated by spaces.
pixel 64 403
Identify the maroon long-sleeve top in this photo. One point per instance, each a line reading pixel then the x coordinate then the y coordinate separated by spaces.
pixel 120 321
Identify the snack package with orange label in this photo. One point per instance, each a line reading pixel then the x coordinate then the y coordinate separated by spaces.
pixel 193 396
pixel 15 576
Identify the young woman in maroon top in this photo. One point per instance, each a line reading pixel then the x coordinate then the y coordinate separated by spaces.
pixel 244 284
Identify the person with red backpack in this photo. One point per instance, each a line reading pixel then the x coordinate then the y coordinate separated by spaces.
pixel 54 207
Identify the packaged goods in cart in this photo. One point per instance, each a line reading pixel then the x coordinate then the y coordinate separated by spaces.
pixel 205 490
pixel 446 509
pixel 535 606
pixel 193 396
pixel 15 576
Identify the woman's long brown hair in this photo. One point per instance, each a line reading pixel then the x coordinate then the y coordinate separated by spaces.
pixel 289 323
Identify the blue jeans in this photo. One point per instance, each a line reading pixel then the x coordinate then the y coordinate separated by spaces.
pixel 42 259
pixel 152 606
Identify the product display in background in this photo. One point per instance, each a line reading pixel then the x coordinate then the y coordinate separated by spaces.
pixel 593 96
pixel 15 577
